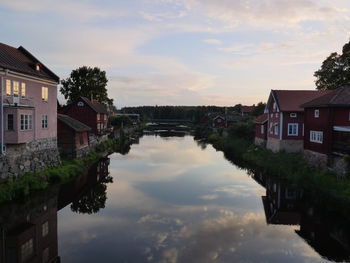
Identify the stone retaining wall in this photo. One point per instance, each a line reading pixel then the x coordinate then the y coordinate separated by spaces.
pixel 30 157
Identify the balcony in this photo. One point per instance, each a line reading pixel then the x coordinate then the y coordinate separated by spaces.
pixel 18 101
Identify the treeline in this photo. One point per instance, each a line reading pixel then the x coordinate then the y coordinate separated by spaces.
pixel 193 113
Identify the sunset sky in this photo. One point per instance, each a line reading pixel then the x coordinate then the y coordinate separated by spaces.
pixel 182 52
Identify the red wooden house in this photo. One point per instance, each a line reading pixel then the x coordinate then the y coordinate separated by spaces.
pixel 91 113
pixel 261 129
pixel 72 136
pixel 327 126
pixel 285 129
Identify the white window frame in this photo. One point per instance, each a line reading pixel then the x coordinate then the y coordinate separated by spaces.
pixel 275 130
pixel 44 121
pixel 262 129
pixel 26 121
pixel 271 128
pixel 276 115
pixel 98 116
pixel 45 229
pixel 317 113
pixel 293 115
pixel 296 129
pixel 316 136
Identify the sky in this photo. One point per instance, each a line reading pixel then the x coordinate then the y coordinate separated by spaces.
pixel 182 52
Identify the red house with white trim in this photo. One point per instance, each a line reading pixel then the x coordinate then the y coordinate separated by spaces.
pixel 327 126
pixel 285 129
pixel 91 113
pixel 261 130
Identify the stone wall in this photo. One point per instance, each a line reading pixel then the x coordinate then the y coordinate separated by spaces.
pixel 277 145
pixel 315 159
pixel 260 142
pixel 29 157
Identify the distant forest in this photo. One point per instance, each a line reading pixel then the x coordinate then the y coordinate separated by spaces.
pixel 193 113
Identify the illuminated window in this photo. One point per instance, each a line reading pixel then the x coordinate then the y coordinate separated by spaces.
pixel 15 88
pixel 27 250
pixel 23 90
pixel 45 229
pixel 44 93
pixel 8 87
pixel 44 122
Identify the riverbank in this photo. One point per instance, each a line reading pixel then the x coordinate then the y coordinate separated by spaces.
pixel 16 188
pixel 286 166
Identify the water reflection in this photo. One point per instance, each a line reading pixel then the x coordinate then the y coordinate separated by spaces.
pixel 28 229
pixel 172 200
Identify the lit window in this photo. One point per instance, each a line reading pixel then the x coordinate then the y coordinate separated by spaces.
pixel 317 113
pixel 316 136
pixel 26 122
pixel 23 90
pixel 44 123
pixel 293 129
pixel 15 88
pixel 10 122
pixel 37 67
pixel 8 87
pixel 44 93
pixel 27 250
pixel 45 229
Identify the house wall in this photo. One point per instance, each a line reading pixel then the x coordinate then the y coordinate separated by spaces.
pixel 299 119
pixel 219 122
pixel 258 133
pixel 34 99
pixel 274 118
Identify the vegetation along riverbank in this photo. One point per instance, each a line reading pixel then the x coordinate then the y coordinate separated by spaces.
pixel 237 145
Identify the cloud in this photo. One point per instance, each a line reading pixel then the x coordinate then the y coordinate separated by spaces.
pixel 213 41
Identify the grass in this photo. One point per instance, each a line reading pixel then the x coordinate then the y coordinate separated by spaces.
pixel 20 187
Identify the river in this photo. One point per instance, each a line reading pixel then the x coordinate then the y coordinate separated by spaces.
pixel 170 199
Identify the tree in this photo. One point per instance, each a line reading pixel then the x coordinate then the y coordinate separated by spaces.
pixel 259 109
pixel 335 70
pixel 87 82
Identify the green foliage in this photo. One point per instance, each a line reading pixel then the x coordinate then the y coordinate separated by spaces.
pixel 335 70
pixel 259 109
pixel 87 82
pixel 244 130
pixel 117 121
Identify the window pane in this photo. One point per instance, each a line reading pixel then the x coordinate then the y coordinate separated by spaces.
pixel 8 87
pixel 10 122
pixel 15 88
pixel 23 90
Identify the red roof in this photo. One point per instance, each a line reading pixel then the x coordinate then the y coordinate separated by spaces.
pixel 337 98
pixel 262 118
pixel 291 100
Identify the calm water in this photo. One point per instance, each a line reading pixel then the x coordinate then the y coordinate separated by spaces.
pixel 171 200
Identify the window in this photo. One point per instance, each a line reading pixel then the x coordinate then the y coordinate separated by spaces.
pixel 37 67
pixel 271 115
pixel 274 106
pixel 317 113
pixel 10 122
pixel 276 129
pixel 293 115
pixel 44 123
pixel 15 88
pixel 26 122
pixel 45 229
pixel 81 138
pixel 98 116
pixel 8 87
pixel 46 255
pixel 316 136
pixel 271 125
pixel 44 93
pixel 27 250
pixel 262 129
pixel 276 115
pixel 23 90
pixel 80 104
pixel 293 129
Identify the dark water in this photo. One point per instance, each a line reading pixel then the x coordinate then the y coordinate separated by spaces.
pixel 171 200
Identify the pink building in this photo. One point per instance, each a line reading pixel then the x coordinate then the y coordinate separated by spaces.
pixel 28 104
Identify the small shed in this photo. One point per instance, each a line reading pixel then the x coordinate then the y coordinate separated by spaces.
pixel 72 136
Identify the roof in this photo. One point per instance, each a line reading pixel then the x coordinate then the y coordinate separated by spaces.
pixel 22 61
pixel 95 105
pixel 247 109
pixel 290 100
pixel 73 123
pixel 262 118
pixel 336 98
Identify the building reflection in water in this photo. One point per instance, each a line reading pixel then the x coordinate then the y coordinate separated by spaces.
pixel 328 234
pixel 28 230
